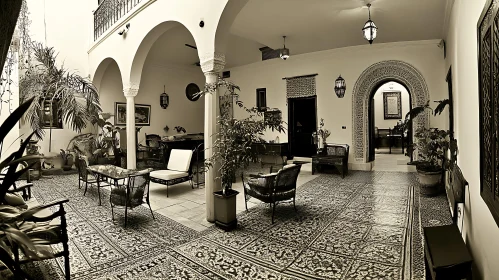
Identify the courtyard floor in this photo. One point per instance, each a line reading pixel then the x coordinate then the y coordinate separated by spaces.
pixel 365 226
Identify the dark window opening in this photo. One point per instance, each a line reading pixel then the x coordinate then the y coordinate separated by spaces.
pixel 50 115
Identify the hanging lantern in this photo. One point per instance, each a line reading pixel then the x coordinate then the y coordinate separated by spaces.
pixel 284 53
pixel 370 30
pixel 164 100
pixel 340 87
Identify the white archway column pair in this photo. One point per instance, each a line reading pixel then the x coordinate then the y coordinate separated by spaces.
pixel 130 91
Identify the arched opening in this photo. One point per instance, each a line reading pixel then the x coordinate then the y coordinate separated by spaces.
pixel 368 82
pixel 108 80
pixel 389 102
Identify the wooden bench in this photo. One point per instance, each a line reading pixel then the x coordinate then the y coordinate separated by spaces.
pixel 333 155
pixel 446 254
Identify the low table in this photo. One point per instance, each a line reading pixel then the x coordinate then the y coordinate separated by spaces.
pixel 107 171
pixel 336 161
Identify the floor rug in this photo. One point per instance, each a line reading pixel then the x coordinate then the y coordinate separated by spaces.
pixel 100 247
pixel 352 228
pixel 365 226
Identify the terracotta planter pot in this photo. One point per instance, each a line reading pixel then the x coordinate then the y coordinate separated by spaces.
pixel 225 210
pixel 430 182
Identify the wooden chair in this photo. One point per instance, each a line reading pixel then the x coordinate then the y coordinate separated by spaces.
pixel 274 187
pixel 40 225
pixel 179 169
pixel 88 178
pixel 133 194
pixel 155 149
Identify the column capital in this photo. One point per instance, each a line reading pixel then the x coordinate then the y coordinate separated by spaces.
pixel 212 62
pixel 130 89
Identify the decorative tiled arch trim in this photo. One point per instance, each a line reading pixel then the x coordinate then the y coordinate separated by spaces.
pixel 371 77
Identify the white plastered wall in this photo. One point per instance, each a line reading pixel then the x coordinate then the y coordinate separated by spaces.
pixel 425 56
pixel 480 230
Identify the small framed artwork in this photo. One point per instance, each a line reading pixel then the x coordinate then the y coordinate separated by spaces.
pixel 392 105
pixel 142 114
pixel 261 99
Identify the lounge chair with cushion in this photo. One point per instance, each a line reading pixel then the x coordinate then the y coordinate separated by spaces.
pixel 179 169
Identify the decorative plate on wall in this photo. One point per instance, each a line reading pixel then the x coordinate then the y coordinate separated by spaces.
pixel 191 90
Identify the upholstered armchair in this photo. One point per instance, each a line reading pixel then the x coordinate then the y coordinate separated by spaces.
pixel 274 187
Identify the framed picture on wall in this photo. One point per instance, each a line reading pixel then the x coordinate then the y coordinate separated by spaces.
pixel 392 105
pixel 142 114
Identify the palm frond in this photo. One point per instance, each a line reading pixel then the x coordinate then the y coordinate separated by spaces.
pixel 441 106
pixel 78 98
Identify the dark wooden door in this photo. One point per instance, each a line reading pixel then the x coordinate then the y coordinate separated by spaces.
pixel 301 125
pixel 371 130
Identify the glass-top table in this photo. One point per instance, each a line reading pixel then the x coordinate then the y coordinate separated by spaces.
pixel 112 172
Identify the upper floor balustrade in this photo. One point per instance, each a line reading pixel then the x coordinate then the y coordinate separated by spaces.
pixel 109 12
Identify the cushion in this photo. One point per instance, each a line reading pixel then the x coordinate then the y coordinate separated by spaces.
pixel 168 174
pixel 180 160
pixel 15 200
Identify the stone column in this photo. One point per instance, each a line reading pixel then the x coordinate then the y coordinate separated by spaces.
pixel 211 65
pixel 130 92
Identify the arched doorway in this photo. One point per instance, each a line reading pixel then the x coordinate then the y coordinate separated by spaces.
pixel 383 124
pixel 370 79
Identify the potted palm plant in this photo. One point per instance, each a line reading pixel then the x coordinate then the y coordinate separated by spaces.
pixel 67 160
pixel 232 148
pixel 432 145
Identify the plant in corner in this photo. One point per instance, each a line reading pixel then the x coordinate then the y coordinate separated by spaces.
pixel 431 145
pixel 232 148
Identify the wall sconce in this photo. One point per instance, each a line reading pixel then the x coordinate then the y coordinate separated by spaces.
pixel 164 99
pixel 340 87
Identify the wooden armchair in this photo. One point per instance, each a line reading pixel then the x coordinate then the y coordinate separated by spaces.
pixel 274 187
pixel 45 227
pixel 333 155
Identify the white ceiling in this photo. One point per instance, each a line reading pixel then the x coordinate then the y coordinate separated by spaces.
pixel 310 25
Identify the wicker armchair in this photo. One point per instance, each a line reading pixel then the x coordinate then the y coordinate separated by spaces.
pixel 274 187
pixel 132 194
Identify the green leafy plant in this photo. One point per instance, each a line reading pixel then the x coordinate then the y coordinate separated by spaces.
pixel 77 98
pixel 106 138
pixel 431 144
pixel 323 133
pixel 15 232
pixel 232 148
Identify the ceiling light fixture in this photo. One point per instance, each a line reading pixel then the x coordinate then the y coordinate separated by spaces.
pixel 284 51
pixel 370 30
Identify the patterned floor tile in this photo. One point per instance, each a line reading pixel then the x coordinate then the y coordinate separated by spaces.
pixel 382 253
pixel 347 245
pixel 235 239
pixel 363 270
pixel 386 234
pixel 227 264
pixel 320 264
pixel 276 253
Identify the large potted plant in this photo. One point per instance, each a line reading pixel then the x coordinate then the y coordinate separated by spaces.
pixel 432 146
pixel 232 148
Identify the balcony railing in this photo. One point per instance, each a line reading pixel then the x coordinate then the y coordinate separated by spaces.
pixel 109 12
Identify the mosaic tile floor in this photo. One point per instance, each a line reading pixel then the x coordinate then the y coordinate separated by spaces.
pixel 366 226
